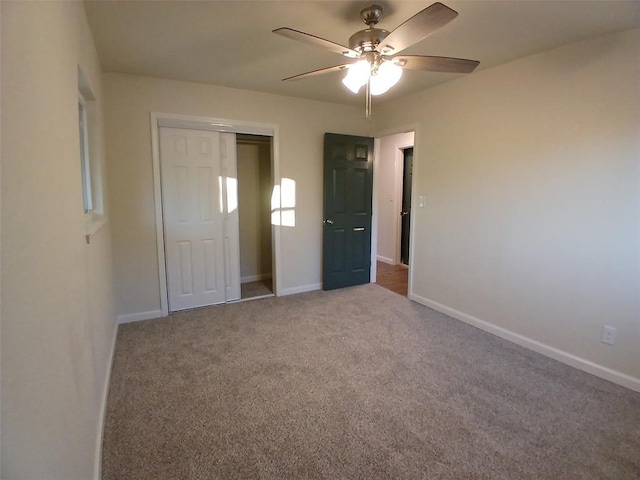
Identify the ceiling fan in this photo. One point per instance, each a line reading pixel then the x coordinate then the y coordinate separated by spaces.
pixel 377 64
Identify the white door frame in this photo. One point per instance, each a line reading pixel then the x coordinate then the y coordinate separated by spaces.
pixel 374 223
pixel 158 120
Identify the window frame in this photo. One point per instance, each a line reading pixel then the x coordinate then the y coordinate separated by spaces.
pixel 91 158
pixel 85 158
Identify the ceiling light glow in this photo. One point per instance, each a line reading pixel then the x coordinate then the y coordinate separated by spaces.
pixel 387 76
pixel 357 75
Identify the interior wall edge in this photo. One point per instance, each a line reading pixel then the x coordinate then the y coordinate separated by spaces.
pixel 484 154
pixel 103 408
pixel 256 278
pixel 139 316
pixel 386 260
pixel 562 356
pixel 302 289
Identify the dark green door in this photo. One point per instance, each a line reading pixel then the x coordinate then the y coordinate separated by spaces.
pixel 348 184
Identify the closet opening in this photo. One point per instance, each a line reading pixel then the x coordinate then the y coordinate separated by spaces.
pixel 255 185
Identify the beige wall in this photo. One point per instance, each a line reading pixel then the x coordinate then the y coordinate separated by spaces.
pixel 388 179
pixel 254 209
pixel 58 316
pixel 301 124
pixel 531 176
pixel 530 171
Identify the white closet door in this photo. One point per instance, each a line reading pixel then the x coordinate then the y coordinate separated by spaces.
pixel 192 201
pixel 231 230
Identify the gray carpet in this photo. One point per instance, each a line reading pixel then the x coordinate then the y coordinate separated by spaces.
pixel 358 383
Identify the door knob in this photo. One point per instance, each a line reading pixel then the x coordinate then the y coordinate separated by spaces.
pixel 328 221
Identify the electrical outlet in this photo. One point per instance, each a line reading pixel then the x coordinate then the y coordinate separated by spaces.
pixel 608 335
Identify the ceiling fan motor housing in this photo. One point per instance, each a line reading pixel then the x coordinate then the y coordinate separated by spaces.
pixel 367 40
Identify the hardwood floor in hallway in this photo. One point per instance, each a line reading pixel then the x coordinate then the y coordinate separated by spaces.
pixel 393 277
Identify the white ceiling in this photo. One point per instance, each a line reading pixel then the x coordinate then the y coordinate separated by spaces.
pixel 230 42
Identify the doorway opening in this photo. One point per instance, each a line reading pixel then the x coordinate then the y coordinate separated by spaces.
pixel 254 209
pixel 393 183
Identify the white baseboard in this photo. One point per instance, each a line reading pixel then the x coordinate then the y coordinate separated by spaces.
pixel 97 471
pixel 585 365
pixel 385 260
pixel 255 278
pixel 136 317
pixel 301 289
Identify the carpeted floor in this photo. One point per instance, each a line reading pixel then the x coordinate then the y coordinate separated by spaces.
pixel 358 383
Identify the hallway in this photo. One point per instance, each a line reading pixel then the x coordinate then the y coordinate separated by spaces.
pixel 393 277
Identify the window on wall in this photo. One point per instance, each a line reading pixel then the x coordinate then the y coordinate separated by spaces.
pixel 90 157
pixel 85 163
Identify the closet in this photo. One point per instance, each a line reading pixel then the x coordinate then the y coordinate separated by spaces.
pixel 200 217
pixel 216 207
pixel 254 205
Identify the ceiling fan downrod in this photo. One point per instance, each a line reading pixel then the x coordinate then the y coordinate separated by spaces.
pixel 367 40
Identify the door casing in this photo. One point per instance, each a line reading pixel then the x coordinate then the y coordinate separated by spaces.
pixel 159 119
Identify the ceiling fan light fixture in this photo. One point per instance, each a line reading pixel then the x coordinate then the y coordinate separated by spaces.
pixel 375 50
pixel 387 76
pixel 357 75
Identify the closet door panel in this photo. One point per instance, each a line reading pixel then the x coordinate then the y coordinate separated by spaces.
pixel 193 217
pixel 231 231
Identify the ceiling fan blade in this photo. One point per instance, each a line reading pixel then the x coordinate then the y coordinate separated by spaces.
pixel 436 64
pixel 418 27
pixel 317 41
pixel 313 73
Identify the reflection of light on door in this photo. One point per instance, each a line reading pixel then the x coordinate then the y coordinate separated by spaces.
pixel 232 194
pixel 283 203
pixel 220 192
pixel 231 185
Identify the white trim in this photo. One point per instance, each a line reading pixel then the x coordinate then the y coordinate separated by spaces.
pixel 93 223
pixel 276 242
pixel 257 297
pixel 139 316
pixel 373 272
pixel 97 469
pixel 157 196
pixel 255 278
pixel 580 363
pixel 301 289
pixel 390 261
pixel 213 124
